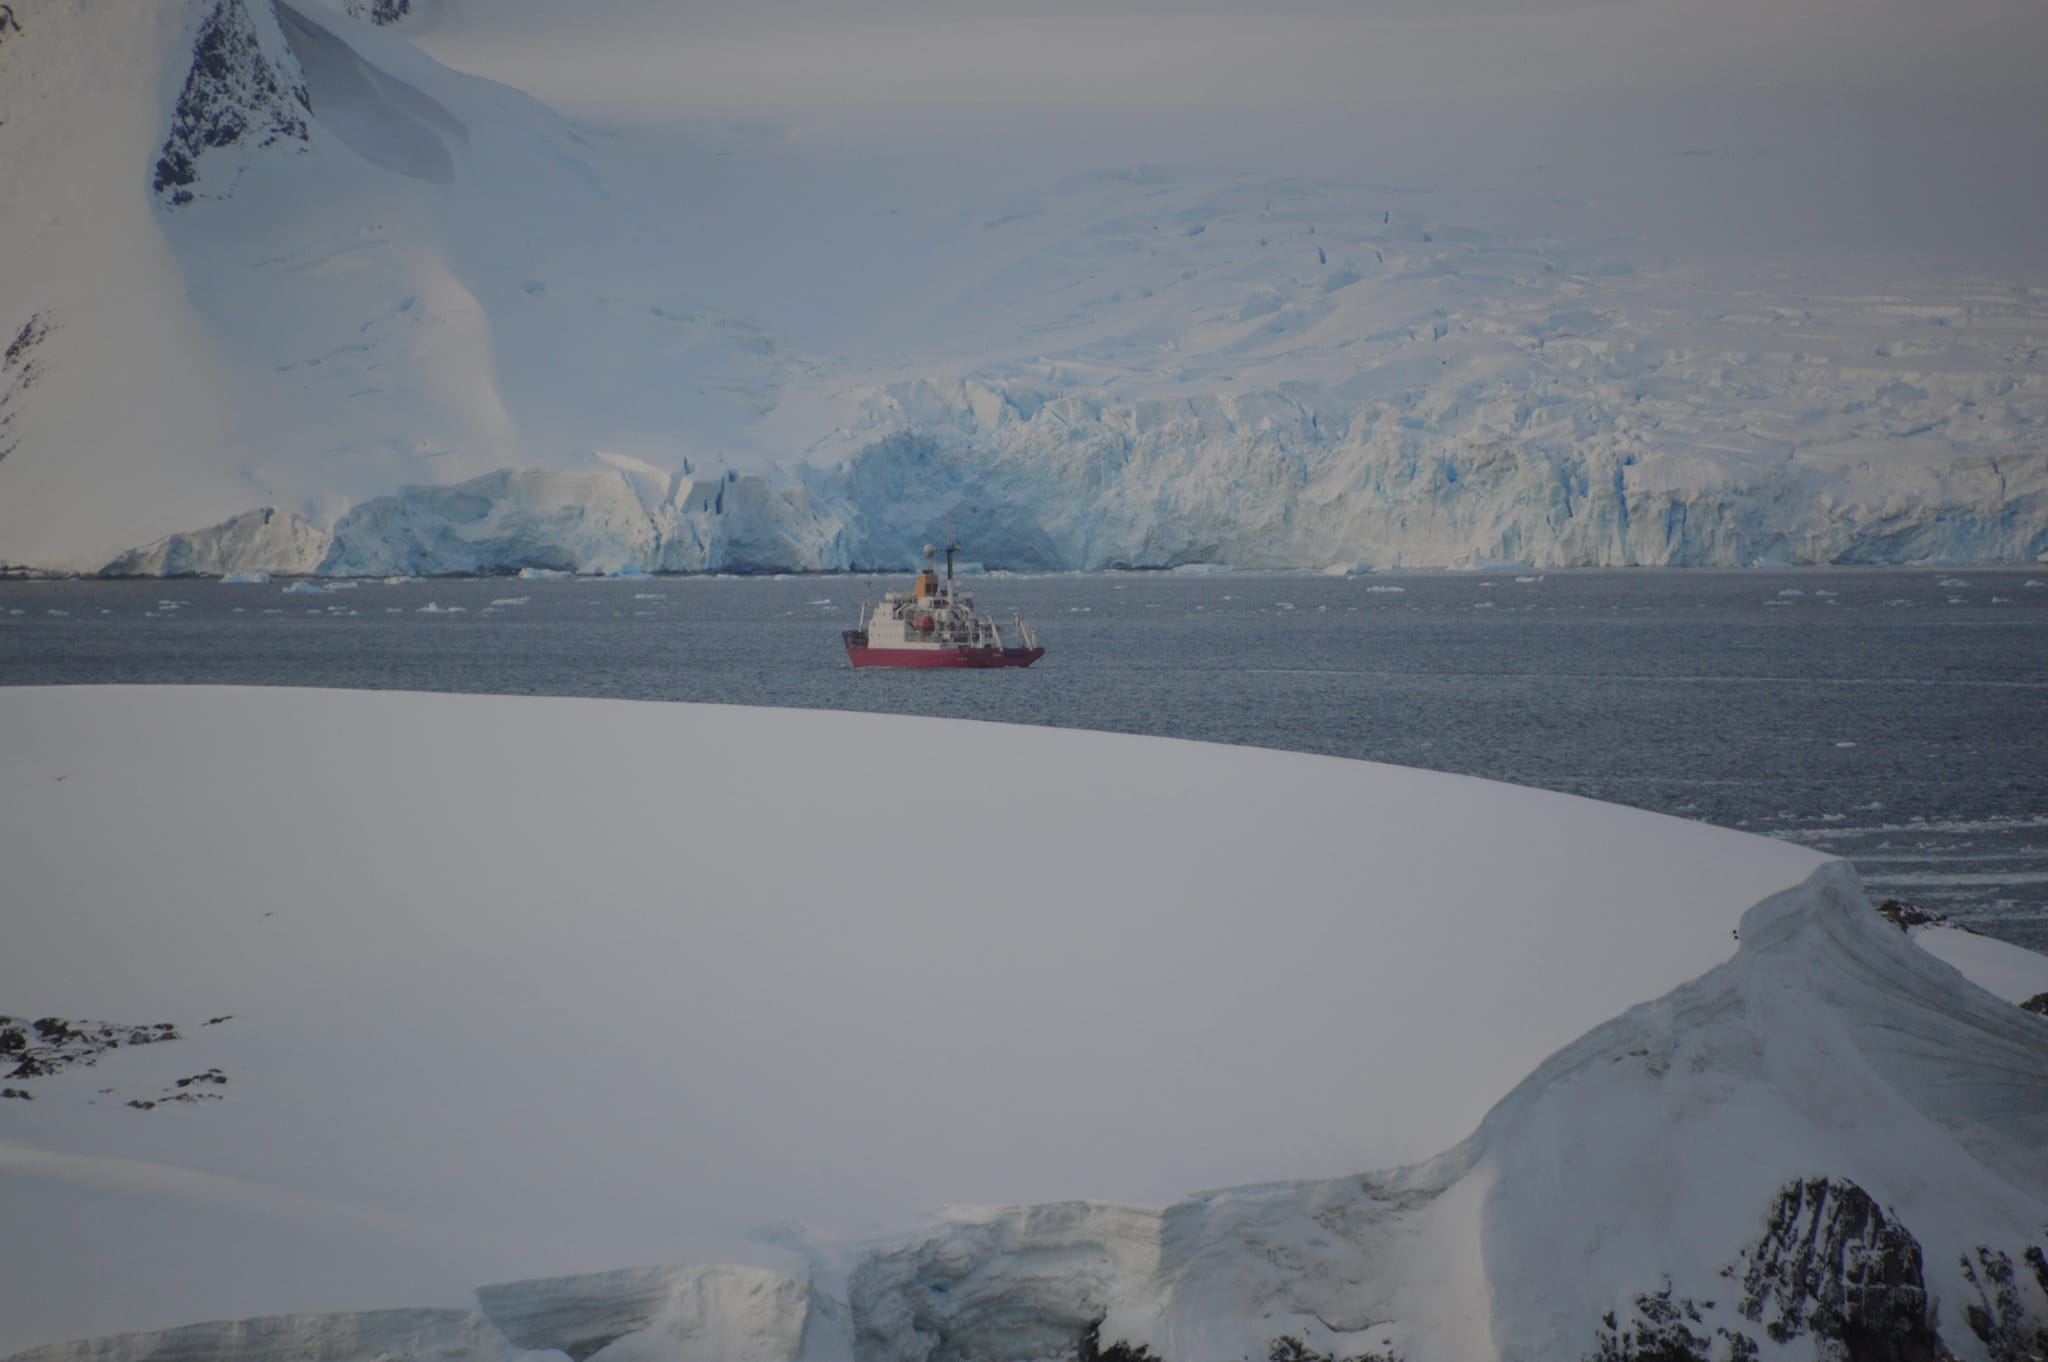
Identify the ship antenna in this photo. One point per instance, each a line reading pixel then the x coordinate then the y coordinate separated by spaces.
pixel 952 546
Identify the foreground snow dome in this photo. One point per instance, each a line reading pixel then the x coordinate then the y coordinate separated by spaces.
pixel 723 1033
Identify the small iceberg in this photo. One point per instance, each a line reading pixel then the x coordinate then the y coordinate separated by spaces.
pixel 246 579
pixel 305 588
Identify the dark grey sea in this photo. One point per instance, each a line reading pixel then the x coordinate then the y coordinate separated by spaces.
pixel 1898 717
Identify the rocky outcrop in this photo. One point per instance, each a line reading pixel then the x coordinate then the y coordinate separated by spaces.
pixel 243 91
pixel 19 365
pixel 380 12
pixel 1835 1265
pixel 2010 1315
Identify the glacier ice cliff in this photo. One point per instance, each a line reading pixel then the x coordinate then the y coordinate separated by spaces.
pixel 1266 480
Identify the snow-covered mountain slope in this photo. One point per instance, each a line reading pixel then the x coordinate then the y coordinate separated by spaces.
pixel 350 270
pixel 283 293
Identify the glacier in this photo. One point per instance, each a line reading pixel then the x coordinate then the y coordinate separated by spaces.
pixel 363 324
pixel 1074 485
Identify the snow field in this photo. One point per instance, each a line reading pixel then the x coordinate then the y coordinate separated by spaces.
pixel 774 964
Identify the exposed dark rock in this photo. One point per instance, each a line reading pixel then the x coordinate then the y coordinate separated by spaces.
pixel 8 23
pixel 17 364
pixel 1668 1329
pixel 1834 1264
pixel 2010 1315
pixel 51 1045
pixel 23 1093
pixel 1288 1348
pixel 233 94
pixel 1904 916
pixel 380 11
pixel 1090 1349
pixel 2038 1005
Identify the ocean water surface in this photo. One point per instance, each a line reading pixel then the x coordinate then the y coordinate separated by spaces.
pixel 1898 717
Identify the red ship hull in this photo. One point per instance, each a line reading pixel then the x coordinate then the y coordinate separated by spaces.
pixel 863 656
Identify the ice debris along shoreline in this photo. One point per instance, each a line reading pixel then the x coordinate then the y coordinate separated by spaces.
pixel 1825 1148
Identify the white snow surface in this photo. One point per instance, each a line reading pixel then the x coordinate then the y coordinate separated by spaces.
pixel 505 987
pixel 1998 967
pixel 524 986
pixel 435 326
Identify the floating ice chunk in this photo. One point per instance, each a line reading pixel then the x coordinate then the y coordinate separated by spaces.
pixel 60 612
pixel 346 584
pixel 2035 585
pixel 402 581
pixel 17 611
pixel 436 608
pixel 827 600
pixel 273 610
pixel 1845 743
pixel 512 600
pixel 1791 591
pixel 1202 569
pixel 246 579
pixel 649 596
pixel 534 574
pixel 1952 582
pixel 394 610
pixel 1528 579
pixel 1386 590
pixel 1823 591
pixel 1483 605
pixel 305 588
